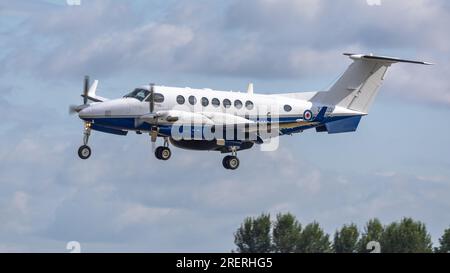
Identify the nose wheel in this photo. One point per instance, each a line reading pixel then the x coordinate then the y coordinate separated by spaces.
pixel 84 152
pixel 231 162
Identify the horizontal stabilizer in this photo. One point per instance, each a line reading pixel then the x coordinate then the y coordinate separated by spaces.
pixel 344 125
pixel 383 59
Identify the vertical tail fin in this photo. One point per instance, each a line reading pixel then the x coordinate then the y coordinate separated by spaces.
pixel 357 88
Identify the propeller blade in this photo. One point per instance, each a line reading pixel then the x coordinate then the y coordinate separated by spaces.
pixel 152 97
pixel 154 131
pixel 86 90
pixel 73 109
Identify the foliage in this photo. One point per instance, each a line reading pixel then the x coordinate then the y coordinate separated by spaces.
pixel 346 239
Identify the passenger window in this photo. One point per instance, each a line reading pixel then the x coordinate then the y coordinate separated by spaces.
pixel 215 102
pixel 249 105
pixel 180 99
pixel 192 100
pixel 226 103
pixel 238 104
pixel 287 108
pixel 205 101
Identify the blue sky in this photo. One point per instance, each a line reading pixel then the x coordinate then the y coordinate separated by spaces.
pixel 122 199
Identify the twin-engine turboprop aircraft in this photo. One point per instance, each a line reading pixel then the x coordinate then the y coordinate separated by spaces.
pixel 228 122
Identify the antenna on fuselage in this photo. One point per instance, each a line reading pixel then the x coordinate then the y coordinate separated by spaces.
pixel 250 89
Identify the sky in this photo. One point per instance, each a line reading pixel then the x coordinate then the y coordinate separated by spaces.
pixel 124 200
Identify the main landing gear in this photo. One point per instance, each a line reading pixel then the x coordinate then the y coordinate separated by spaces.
pixel 163 152
pixel 231 162
pixel 84 152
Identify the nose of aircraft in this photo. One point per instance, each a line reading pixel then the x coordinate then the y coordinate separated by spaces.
pixel 87 112
pixel 107 108
pixel 83 113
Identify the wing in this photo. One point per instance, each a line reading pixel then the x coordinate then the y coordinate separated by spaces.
pixel 190 118
pixel 241 125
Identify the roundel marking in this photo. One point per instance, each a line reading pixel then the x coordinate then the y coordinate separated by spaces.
pixel 308 115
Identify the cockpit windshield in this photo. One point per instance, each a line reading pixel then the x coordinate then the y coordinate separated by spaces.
pixel 138 93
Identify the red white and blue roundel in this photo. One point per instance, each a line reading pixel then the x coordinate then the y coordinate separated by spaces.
pixel 308 115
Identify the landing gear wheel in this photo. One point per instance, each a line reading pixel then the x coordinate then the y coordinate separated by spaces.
pixel 233 163
pixel 225 162
pixel 84 152
pixel 163 153
pixel 230 162
pixel 158 152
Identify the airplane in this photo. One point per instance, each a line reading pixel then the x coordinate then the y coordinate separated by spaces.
pixel 228 122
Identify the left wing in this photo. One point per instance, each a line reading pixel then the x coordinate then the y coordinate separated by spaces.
pixel 188 118
pixel 228 121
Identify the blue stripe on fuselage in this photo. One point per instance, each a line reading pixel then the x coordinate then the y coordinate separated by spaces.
pixel 128 123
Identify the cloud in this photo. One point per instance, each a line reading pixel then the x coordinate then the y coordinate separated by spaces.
pixel 259 39
pixel 15 213
pixel 427 85
pixel 146 47
pixel 124 199
pixel 129 202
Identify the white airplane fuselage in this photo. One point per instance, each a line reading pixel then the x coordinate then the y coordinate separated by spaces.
pixel 202 119
pixel 284 114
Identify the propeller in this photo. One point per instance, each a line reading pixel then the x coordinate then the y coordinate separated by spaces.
pixel 154 131
pixel 85 90
pixel 152 98
pixel 73 109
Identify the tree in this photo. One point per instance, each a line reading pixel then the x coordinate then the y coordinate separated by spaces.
pixel 408 236
pixel 444 242
pixel 253 236
pixel 346 240
pixel 286 233
pixel 372 232
pixel 313 240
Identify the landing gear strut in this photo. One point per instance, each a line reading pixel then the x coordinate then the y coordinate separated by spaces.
pixel 84 152
pixel 163 152
pixel 231 162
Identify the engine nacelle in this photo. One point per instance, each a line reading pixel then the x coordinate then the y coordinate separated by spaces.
pixel 209 145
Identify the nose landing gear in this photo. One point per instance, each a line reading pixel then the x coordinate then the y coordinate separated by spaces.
pixel 84 152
